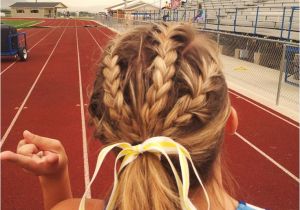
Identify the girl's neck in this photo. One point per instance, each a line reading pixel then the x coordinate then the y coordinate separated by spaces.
pixel 219 198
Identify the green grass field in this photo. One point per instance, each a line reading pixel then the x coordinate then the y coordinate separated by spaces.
pixel 20 23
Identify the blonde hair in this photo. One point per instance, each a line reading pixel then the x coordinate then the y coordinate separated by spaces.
pixel 160 80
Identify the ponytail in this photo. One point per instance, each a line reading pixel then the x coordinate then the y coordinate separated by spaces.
pixel 142 182
pixel 145 184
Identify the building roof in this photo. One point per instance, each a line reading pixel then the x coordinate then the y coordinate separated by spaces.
pixel 135 5
pixel 117 5
pixel 131 5
pixel 39 5
pixel 138 5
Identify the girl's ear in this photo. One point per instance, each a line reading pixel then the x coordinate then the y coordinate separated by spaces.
pixel 232 122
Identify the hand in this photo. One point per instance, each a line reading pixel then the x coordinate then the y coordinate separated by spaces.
pixel 39 155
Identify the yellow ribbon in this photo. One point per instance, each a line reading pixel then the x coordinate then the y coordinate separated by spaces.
pixel 162 145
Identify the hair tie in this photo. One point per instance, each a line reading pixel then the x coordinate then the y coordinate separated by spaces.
pixel 162 145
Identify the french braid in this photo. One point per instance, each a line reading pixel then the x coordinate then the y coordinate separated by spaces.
pixel 113 99
pixel 194 104
pixel 163 71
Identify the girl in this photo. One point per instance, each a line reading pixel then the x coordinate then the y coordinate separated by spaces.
pixel 160 102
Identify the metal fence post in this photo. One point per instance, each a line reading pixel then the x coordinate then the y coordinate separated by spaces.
pixel 174 11
pixel 291 22
pixel 255 26
pixel 282 22
pixel 218 39
pixel 205 18
pixel 219 19
pixel 234 21
pixel 281 74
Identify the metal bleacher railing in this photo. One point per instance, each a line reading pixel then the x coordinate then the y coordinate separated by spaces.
pixel 264 66
pixel 280 22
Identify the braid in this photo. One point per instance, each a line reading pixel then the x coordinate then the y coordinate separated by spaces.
pixel 163 67
pixel 113 99
pixel 195 103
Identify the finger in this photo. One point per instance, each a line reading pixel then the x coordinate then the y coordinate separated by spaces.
pixel 42 143
pixel 27 149
pixel 6 155
pixel 16 158
pixel 21 143
pixel 34 164
pixel 40 154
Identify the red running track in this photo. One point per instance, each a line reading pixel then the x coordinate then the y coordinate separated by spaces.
pixel 53 108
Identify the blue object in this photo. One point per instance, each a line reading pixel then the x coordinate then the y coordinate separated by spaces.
pixel 282 22
pixel 291 21
pixel 290 69
pixel 10 41
pixel 244 206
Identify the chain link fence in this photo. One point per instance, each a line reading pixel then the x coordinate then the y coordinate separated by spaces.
pixel 264 67
pixel 267 67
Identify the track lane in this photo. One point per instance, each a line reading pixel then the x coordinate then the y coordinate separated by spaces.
pixel 52 111
pixel 272 135
pixel 90 49
pixel 22 77
pixel 260 182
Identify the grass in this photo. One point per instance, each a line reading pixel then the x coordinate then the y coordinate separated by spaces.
pixel 20 23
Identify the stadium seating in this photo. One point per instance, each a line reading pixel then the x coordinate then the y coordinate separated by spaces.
pixel 267 16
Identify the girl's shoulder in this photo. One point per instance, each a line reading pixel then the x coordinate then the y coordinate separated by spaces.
pixel 245 206
pixel 73 204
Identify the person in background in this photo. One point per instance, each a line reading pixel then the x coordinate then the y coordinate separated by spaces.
pixel 200 14
pixel 167 5
pixel 160 102
pixel 175 4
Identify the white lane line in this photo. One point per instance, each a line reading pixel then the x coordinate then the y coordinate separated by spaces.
pixel 95 40
pixel 28 51
pixel 84 138
pixel 28 94
pixel 269 158
pixel 275 115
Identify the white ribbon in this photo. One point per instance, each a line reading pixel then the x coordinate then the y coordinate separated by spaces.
pixel 162 145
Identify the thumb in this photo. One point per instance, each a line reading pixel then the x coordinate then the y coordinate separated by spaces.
pixel 42 143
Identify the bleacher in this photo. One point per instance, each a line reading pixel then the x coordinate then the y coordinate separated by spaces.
pixel 267 18
pixel 262 17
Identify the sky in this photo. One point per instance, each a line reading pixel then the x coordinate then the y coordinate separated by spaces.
pixel 76 5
